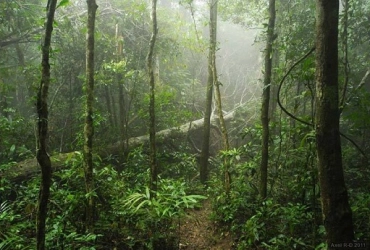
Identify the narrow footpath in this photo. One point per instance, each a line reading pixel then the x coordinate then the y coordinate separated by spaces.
pixel 198 232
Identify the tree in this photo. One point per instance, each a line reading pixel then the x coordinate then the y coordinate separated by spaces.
pixel 18 22
pixel 225 137
pixel 209 91
pixel 89 126
pixel 150 57
pixel 266 100
pixel 42 132
pixel 334 198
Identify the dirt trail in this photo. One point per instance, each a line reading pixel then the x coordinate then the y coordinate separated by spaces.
pixel 198 232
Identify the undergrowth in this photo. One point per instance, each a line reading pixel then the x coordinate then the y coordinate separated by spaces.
pixel 128 216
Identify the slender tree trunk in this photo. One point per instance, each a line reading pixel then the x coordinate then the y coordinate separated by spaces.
pixel 42 125
pixel 114 108
pixel 334 198
pixel 266 100
pixel 225 137
pixel 89 126
pixel 274 87
pixel 209 92
pixel 345 53
pixel 121 94
pixel 109 106
pixel 70 119
pixel 122 113
pixel 150 61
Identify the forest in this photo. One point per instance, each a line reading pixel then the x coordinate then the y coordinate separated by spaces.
pixel 190 124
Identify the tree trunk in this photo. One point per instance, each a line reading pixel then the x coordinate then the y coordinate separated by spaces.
pixel 89 126
pixel 109 106
pixel 42 125
pixel 121 94
pixel 334 198
pixel 225 137
pixel 345 53
pixel 150 58
pixel 209 92
pixel 114 109
pixel 266 100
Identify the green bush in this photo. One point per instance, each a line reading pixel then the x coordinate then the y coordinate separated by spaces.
pixel 278 226
pixel 152 217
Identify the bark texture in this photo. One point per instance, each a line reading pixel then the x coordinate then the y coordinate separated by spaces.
pixel 89 127
pixel 42 156
pixel 203 173
pixel 152 139
pixel 336 210
pixel 266 100
pixel 346 8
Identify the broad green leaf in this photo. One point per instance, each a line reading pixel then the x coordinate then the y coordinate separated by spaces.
pixel 12 148
pixel 141 204
pixel 63 3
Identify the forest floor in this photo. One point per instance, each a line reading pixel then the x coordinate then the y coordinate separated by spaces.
pixel 198 232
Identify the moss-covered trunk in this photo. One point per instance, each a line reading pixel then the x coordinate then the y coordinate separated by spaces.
pixel 209 92
pixel 89 127
pixel 336 210
pixel 152 142
pixel 42 125
pixel 266 100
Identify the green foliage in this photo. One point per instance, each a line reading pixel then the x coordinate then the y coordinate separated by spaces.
pixel 63 3
pixel 357 114
pixel 9 239
pixel 290 219
pixel 127 216
pixel 154 215
pixel 360 206
pixel 65 223
pixel 234 208
pixel 178 165
pixel 169 202
pixel 16 141
pixel 358 183
pixel 136 172
pixel 269 225
pixel 245 13
pixel 169 110
pixel 15 225
pixel 277 226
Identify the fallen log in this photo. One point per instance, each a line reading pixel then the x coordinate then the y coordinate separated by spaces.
pixel 25 169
